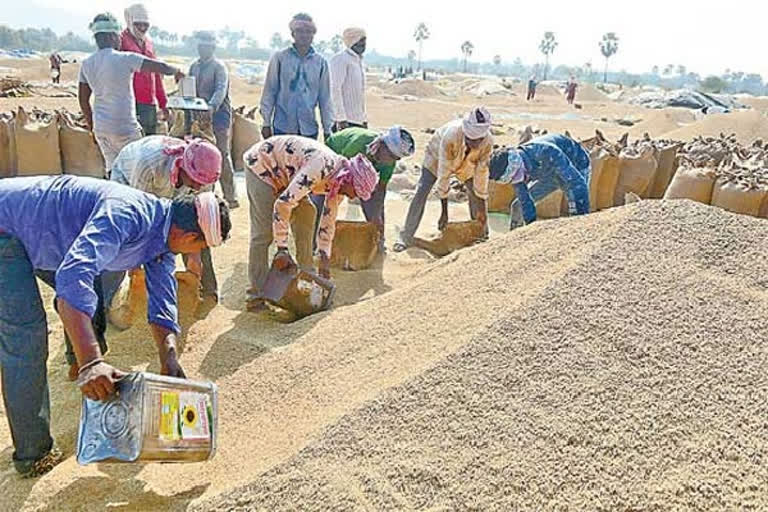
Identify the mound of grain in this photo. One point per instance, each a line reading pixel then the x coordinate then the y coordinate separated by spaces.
pixel 588 92
pixel 748 125
pixel 609 362
pixel 418 88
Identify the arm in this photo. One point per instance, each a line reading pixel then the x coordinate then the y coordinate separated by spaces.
pixel 156 66
pixel 338 76
pixel 326 232
pixel 445 165
pixel 269 94
pixel 526 202
pixel 162 312
pixel 480 181
pixel 162 99
pixel 326 107
pixel 222 84
pixel 299 188
pixel 84 98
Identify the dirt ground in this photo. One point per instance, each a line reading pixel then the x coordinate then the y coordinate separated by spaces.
pixel 445 384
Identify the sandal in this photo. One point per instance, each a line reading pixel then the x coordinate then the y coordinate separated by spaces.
pixel 44 465
pixel 399 247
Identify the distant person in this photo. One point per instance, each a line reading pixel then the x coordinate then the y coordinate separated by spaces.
pixel 281 172
pixel 148 87
pixel 212 79
pixel 460 148
pixel 538 168
pixel 570 90
pixel 56 60
pixel 348 82
pixel 108 75
pixel 297 82
pixel 531 88
pixel 383 150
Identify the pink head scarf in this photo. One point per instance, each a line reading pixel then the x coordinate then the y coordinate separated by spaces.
pixel 200 159
pixel 360 173
pixel 208 218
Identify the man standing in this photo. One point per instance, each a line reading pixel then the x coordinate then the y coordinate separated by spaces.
pixel 570 90
pixel 108 75
pixel 461 148
pixel 538 168
pixel 212 79
pixel 148 87
pixel 78 228
pixel 298 81
pixel 531 88
pixel 383 150
pixel 348 82
pixel 56 60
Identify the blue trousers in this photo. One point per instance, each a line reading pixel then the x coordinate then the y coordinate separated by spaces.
pixel 574 182
pixel 23 356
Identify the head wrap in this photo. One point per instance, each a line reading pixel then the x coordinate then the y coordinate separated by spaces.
pixel 352 36
pixel 136 13
pixel 359 172
pixel 209 218
pixel 398 141
pixel 477 124
pixel 200 159
pixel 205 37
pixel 300 22
pixel 105 26
pixel 515 171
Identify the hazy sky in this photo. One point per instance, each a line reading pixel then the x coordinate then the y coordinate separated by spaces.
pixel 706 39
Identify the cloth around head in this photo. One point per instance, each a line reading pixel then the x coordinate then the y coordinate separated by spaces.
pixel 205 37
pixel 136 13
pixel 209 218
pixel 352 36
pixel 398 140
pixel 477 124
pixel 360 173
pixel 200 159
pixel 105 27
pixel 301 23
pixel 515 171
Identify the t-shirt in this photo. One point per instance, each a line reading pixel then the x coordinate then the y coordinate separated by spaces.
pixel 354 141
pixel 109 74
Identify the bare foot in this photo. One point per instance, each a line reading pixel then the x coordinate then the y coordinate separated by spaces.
pixel 73 369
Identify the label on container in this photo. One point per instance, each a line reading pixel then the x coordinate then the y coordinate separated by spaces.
pixel 185 416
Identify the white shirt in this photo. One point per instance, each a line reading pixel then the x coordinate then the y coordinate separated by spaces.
pixel 109 74
pixel 348 87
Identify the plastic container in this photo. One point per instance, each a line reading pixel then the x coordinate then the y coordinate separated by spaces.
pixel 297 291
pixel 151 418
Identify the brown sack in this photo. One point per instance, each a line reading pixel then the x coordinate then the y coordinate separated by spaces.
pixel 636 174
pixel 551 207
pixel 738 197
pixel 80 155
pixel 603 180
pixel 500 196
pixel 456 235
pixel 667 165
pixel 245 133
pixel 694 183
pixel 7 147
pixel 37 146
pixel 177 122
pixel 355 245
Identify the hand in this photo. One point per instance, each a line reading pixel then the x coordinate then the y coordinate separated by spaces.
pixel 97 382
pixel 326 136
pixel 195 264
pixel 165 114
pixel 341 125
pixel 283 260
pixel 324 268
pixel 443 221
pixel 171 367
pixel 365 125
pixel 266 132
pixel 178 75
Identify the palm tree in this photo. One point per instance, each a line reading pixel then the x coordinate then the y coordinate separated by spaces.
pixel 420 35
pixel 608 47
pixel 547 47
pixel 277 42
pixel 588 71
pixel 467 48
pixel 411 58
pixel 681 70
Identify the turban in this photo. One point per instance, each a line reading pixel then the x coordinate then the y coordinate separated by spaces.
pixel 360 173
pixel 352 36
pixel 397 140
pixel 209 218
pixel 200 159
pixel 515 171
pixel 105 26
pixel 477 124
pixel 297 23
pixel 136 13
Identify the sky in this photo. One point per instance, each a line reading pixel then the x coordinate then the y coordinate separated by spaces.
pixel 706 37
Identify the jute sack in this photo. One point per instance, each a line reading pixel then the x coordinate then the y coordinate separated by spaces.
pixel 694 183
pixel 37 146
pixel 667 165
pixel 245 133
pixel 7 146
pixel 500 196
pixel 738 197
pixel 80 155
pixel 636 174
pixel 456 235
pixel 355 245
pixel 551 207
pixel 603 180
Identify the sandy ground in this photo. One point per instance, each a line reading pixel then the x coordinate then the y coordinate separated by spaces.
pixel 291 394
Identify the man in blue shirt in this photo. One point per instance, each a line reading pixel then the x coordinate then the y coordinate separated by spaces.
pixel 297 82
pixel 79 228
pixel 547 163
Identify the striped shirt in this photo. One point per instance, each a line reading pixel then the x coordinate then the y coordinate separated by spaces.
pixel 348 87
pixel 145 166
